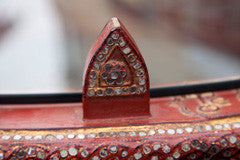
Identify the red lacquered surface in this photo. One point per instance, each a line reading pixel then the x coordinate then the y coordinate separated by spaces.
pixel 163 110
pixel 115 52
pixel 130 126
pixel 177 124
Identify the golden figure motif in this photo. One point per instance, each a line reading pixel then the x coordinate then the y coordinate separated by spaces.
pixel 238 94
pixel 178 102
pixel 208 103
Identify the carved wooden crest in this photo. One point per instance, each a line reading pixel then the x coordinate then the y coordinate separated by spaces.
pixel 116 78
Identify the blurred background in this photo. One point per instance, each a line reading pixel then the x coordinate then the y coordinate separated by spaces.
pixel 44 43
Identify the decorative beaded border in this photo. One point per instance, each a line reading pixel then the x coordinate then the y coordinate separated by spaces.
pixel 226 146
pixel 117 38
pixel 132 131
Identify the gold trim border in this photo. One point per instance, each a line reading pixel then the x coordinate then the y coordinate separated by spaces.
pixel 223 124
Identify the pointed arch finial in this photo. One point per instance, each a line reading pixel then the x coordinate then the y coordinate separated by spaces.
pixel 116 77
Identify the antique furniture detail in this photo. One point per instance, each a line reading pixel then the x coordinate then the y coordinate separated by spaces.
pixel 118 120
pixel 116 77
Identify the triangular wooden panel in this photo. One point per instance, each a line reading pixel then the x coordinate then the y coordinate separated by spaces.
pixel 116 78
